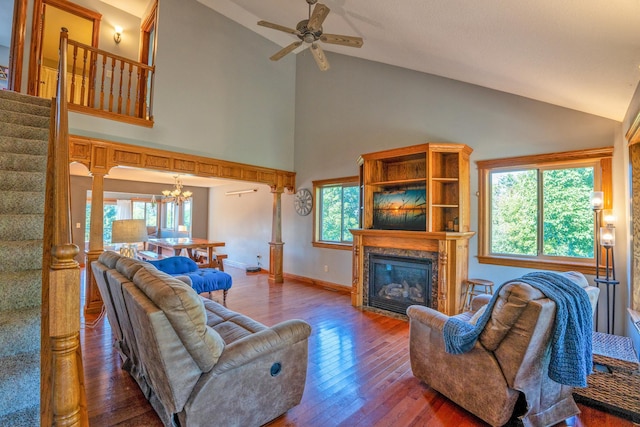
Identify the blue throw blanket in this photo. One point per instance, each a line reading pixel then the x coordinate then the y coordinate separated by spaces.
pixel 571 351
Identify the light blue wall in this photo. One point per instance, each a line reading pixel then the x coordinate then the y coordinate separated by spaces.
pixel 216 92
pixel 360 106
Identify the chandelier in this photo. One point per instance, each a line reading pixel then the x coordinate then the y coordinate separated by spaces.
pixel 176 195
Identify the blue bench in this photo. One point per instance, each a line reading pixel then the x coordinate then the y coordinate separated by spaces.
pixel 202 279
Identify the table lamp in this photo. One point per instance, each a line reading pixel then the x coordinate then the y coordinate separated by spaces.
pixel 129 231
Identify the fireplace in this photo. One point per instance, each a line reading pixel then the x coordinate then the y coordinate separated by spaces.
pixel 396 282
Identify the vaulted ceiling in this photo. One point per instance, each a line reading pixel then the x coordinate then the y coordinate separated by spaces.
pixel 582 54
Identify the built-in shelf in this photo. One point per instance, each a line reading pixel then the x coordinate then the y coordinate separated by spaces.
pixel 398 182
pixel 440 170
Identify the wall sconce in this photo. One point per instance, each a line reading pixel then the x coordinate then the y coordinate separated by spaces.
pixel 117 35
pixel 240 192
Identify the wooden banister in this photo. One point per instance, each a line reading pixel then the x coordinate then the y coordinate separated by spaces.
pixel 108 85
pixel 61 388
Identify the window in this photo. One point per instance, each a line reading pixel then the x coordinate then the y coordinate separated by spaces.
pixel 535 210
pixel 336 211
pixel 145 209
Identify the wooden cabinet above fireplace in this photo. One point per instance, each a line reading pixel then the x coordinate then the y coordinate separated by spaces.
pixel 419 188
pixel 416 198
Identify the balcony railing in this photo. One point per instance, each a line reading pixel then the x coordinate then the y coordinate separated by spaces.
pixel 106 85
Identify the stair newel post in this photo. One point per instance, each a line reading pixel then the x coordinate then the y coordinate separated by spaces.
pixel 62 391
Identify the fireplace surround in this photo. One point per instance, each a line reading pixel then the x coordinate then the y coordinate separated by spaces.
pixel 448 253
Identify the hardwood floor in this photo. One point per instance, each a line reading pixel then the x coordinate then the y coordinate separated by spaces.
pixel 358 371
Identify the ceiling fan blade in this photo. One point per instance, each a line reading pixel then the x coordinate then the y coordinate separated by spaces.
pixel 318 16
pixel 277 27
pixel 285 51
pixel 342 40
pixel 319 56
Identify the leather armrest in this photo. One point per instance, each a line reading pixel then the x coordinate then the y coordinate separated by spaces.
pixel 428 316
pixel 479 300
pixel 246 349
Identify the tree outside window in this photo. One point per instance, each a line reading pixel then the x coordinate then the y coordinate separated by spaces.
pixel 336 211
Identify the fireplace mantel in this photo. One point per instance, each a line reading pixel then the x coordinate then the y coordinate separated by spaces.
pixel 452 249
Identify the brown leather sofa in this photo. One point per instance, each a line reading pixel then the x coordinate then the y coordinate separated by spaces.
pixel 198 363
pixel 507 369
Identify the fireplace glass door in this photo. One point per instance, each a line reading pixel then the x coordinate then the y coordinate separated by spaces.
pixel 395 283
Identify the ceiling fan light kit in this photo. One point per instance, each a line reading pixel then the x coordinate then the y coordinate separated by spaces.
pixel 310 31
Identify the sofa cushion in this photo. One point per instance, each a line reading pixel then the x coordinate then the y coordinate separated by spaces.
pixel 109 258
pixel 129 266
pixel 230 325
pixel 185 311
pixel 175 265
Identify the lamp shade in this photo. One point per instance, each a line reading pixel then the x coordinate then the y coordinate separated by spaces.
pixel 129 231
pixel 608 236
pixel 597 200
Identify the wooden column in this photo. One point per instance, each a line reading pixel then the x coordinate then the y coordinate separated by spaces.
pixel 276 245
pixel 93 300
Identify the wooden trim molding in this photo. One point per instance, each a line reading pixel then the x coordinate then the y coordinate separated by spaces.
pixel 16 51
pixel 81 109
pixel 316 226
pixel 99 156
pixel 320 283
pixel 633 134
pixel 547 158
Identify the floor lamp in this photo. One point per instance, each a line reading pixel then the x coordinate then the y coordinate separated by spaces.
pixel 608 241
pixel 597 203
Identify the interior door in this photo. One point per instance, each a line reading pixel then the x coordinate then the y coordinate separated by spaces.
pixel 49 17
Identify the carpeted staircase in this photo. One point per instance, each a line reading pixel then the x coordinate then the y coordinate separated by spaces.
pixel 24 135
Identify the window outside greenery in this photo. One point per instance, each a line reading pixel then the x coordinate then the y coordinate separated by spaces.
pixel 542 212
pixel 146 211
pixel 338 207
pixel 109 216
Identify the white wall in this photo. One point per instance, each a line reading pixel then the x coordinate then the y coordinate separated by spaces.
pixel 243 222
pixel 360 106
pixel 216 92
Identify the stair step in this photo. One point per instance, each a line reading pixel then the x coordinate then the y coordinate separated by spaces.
pixel 19 331
pixel 23 162
pixel 27 417
pixel 9 144
pixel 20 255
pixel 25 132
pixel 17 118
pixel 28 99
pixel 25 202
pixel 23 181
pixel 20 382
pixel 24 107
pixel 21 227
pixel 20 289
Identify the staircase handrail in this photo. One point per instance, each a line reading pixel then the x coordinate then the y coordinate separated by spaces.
pixel 62 396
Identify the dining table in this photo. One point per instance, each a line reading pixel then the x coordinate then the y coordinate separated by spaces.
pixel 189 244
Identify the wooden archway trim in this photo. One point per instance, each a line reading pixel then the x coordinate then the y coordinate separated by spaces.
pixel 99 156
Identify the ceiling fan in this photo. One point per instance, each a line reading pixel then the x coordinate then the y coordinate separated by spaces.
pixel 310 31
